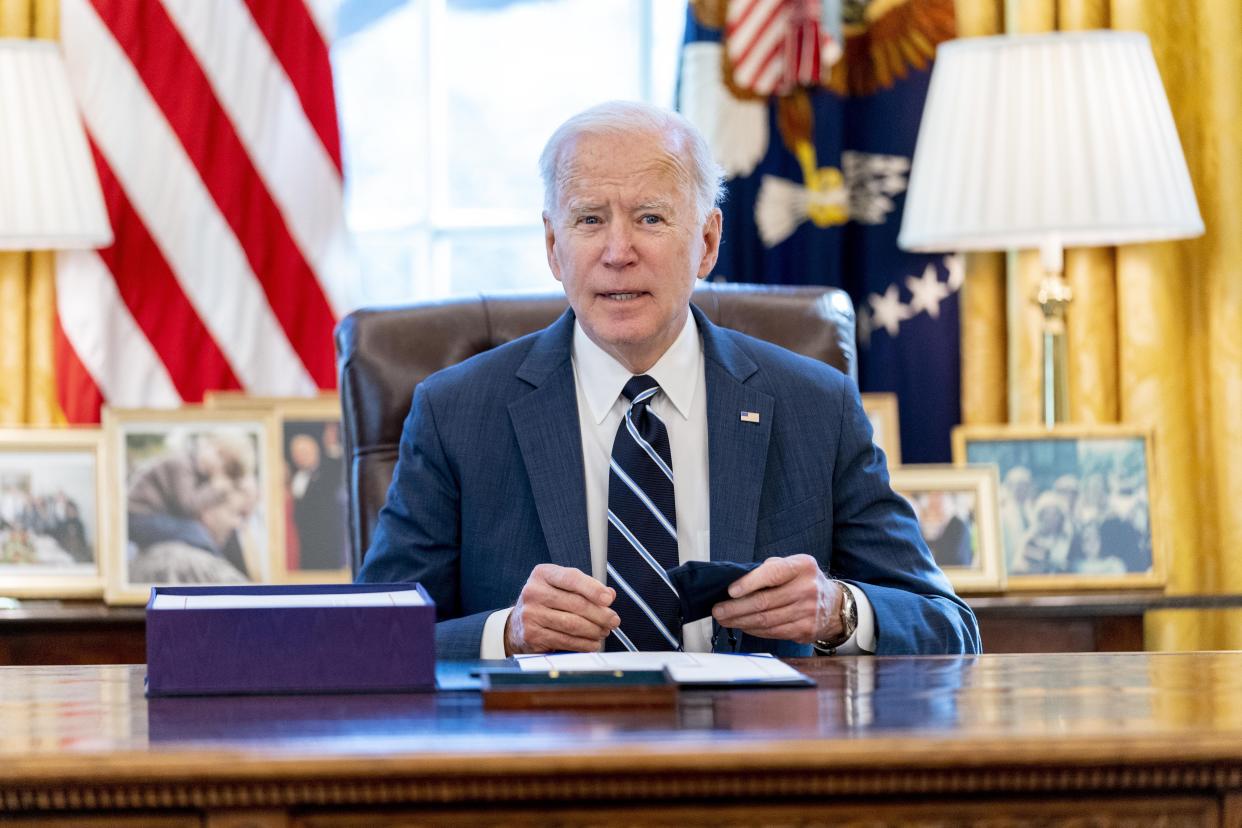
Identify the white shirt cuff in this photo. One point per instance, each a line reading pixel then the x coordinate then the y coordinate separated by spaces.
pixel 862 642
pixel 492 646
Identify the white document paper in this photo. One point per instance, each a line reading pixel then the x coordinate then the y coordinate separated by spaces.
pixel 685 668
pixel 397 598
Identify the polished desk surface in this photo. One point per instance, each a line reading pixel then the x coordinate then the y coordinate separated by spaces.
pixel 994 722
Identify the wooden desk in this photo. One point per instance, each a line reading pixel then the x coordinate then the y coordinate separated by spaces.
pixel 1002 740
pixel 87 632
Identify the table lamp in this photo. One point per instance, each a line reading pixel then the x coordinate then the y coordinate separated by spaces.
pixel 49 190
pixel 1047 141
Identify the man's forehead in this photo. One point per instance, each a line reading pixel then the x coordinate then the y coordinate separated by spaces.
pixel 644 174
pixel 620 156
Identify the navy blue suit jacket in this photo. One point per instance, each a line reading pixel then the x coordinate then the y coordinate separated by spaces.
pixel 489 484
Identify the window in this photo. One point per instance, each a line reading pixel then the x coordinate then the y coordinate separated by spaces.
pixel 445 106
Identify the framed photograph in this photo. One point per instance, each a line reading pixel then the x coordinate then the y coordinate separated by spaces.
pixel 881 410
pixel 314 534
pixel 957 511
pixel 1075 503
pixel 191 492
pixel 52 526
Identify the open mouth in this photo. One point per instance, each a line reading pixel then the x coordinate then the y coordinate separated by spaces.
pixel 624 297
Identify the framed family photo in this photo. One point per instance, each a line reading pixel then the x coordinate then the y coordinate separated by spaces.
pixel 1076 503
pixel 314 535
pixel 881 409
pixel 310 486
pixel 191 491
pixel 957 511
pixel 52 526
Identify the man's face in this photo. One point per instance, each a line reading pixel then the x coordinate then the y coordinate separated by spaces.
pixel 625 241
pixel 304 452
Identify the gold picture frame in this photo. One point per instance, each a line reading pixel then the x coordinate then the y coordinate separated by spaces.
pixel 881 409
pixel 959 519
pixel 54 527
pixel 242 401
pixel 190 491
pixel 1078 505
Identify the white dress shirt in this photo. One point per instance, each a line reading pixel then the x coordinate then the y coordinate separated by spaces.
pixel 682 406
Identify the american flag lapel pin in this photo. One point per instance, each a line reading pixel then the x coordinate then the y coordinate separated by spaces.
pixel 750 416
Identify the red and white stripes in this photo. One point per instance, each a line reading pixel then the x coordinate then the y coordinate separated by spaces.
pixel 215 136
pixel 776 45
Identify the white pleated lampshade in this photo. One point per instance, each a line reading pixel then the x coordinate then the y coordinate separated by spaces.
pixel 49 191
pixel 1031 140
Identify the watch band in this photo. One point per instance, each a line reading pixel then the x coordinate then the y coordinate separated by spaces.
pixel 849 622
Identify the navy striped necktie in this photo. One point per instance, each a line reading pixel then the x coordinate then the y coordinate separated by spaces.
pixel 642 527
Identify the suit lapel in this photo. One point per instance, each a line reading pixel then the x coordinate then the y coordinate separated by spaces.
pixel 737 448
pixel 546 424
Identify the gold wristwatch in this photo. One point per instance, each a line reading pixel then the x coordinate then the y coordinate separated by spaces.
pixel 849 622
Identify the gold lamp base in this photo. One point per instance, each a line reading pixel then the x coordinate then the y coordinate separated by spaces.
pixel 1053 297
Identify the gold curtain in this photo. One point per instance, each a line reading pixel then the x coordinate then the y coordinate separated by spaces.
pixel 1155 331
pixel 27 281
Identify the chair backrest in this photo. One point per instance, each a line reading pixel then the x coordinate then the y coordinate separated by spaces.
pixel 384 353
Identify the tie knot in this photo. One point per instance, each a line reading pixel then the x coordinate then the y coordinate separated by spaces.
pixel 640 389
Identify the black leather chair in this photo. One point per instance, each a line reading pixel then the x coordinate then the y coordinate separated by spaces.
pixel 382 354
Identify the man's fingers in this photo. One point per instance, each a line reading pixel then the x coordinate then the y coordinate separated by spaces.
pixel 567 623
pixel 771 573
pixel 561 608
pixel 800 632
pixel 550 630
pixel 590 600
pixel 747 614
pixel 578 582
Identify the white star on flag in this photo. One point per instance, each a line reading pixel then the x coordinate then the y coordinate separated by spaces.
pixel 887 311
pixel 926 292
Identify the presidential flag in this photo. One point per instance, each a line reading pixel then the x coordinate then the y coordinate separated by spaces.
pixel 812 107
pixel 214 131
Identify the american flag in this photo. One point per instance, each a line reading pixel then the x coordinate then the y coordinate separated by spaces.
pixel 776 45
pixel 214 131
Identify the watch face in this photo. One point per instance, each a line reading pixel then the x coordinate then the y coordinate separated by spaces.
pixel 849 612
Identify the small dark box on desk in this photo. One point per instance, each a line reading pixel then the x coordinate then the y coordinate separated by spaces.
pixel 518 690
pixel 331 638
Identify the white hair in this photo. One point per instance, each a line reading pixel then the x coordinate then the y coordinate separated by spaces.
pixel 634 118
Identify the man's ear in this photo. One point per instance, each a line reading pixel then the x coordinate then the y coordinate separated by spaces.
pixel 712 229
pixel 549 242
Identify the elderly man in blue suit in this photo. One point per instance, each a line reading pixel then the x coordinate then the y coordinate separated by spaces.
pixel 544 488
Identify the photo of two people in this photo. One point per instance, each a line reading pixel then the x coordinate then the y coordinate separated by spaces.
pixel 315 496
pixel 194 506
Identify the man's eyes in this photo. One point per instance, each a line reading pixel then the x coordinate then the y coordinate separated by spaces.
pixel 645 218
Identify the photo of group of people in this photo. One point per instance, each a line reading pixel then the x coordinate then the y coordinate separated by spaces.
pixel 41 521
pixel 1072 506
pixel 50 518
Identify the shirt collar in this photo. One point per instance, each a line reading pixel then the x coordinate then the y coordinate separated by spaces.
pixel 602 377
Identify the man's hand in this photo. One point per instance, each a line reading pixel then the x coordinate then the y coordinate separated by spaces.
pixel 560 609
pixel 788 599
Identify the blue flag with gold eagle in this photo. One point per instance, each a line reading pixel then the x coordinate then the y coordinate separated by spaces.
pixel 812 107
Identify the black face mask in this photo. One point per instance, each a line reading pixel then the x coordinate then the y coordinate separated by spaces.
pixel 703 584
